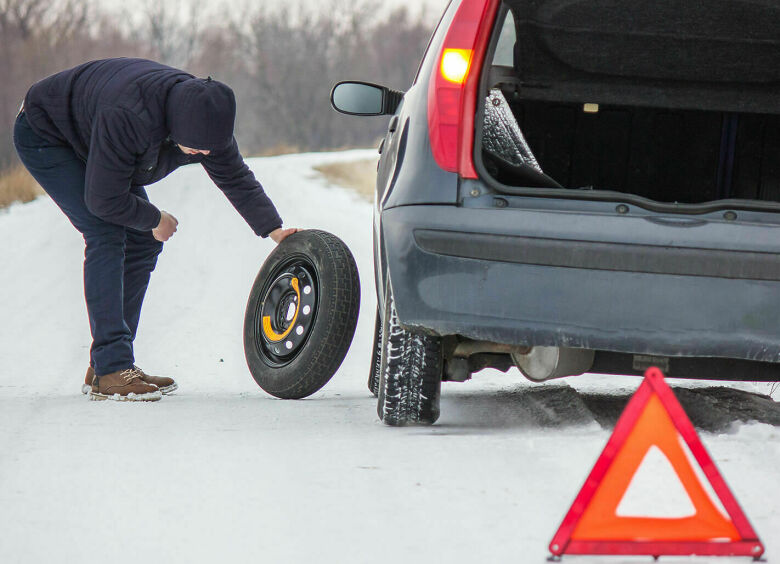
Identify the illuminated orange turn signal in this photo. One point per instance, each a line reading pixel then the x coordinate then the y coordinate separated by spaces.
pixel 455 64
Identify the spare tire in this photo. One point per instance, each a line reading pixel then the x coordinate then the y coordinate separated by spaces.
pixel 301 314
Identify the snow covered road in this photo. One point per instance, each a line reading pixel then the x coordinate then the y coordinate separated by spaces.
pixel 220 471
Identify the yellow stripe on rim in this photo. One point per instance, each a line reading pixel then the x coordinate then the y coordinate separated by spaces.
pixel 269 331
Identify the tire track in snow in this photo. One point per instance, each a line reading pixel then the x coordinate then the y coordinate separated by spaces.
pixel 711 409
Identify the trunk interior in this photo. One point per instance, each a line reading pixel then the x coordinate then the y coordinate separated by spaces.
pixel 666 155
pixel 672 101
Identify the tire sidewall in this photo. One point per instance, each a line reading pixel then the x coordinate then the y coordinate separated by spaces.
pixel 299 377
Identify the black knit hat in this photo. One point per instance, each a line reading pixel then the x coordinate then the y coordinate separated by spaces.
pixel 201 113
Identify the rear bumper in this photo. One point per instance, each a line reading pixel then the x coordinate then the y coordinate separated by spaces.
pixel 529 277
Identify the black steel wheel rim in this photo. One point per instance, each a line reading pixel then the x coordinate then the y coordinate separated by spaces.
pixel 286 314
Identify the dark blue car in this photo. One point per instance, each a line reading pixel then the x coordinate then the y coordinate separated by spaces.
pixel 583 186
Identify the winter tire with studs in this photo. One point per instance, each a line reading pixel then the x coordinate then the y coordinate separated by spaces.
pixel 410 373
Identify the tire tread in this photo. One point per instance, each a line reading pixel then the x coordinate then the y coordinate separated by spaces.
pixel 410 378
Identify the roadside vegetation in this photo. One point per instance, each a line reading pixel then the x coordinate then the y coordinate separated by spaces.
pixel 360 176
pixel 281 59
pixel 16 185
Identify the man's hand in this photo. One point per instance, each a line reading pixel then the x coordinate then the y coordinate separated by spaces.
pixel 279 235
pixel 166 228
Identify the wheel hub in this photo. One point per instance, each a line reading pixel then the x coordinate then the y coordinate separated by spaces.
pixel 287 313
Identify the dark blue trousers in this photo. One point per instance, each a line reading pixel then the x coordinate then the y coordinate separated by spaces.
pixel 117 260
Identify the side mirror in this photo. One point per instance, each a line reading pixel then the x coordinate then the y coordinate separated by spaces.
pixel 364 99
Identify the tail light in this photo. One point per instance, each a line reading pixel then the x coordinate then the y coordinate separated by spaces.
pixel 452 92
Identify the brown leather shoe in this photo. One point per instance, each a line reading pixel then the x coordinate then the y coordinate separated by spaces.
pixel 87 387
pixel 166 385
pixel 124 385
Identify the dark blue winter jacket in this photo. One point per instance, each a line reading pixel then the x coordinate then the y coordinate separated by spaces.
pixel 113 113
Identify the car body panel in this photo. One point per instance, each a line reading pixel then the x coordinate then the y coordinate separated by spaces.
pixel 617 309
pixel 399 180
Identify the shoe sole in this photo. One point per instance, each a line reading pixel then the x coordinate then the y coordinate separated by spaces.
pixel 86 388
pixel 151 396
pixel 169 389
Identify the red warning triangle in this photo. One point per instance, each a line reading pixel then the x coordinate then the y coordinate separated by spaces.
pixel 654 418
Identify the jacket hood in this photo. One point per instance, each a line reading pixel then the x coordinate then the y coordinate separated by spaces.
pixel 201 113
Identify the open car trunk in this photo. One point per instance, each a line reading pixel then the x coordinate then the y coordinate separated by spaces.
pixel 673 101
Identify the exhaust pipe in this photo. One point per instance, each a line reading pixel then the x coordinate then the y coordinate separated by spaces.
pixel 545 363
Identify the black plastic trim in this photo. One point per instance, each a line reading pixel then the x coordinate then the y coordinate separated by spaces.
pixel 625 257
pixel 607 362
pixel 390 99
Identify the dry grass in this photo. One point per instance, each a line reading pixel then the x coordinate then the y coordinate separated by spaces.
pixel 357 175
pixel 16 185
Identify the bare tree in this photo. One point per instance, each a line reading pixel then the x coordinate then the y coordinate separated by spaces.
pixel 37 38
pixel 291 58
pixel 22 16
pixel 281 61
pixel 172 30
pixel 72 21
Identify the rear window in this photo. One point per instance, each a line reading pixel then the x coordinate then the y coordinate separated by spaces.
pixel 504 55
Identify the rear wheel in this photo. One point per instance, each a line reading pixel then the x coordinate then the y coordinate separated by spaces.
pixel 410 373
pixel 376 357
